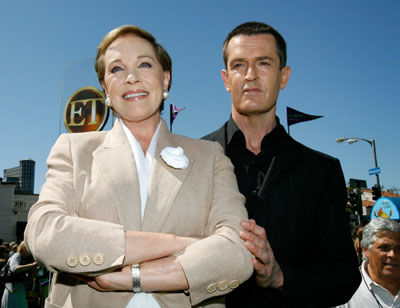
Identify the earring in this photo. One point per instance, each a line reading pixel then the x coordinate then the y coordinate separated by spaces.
pixel 165 94
pixel 108 102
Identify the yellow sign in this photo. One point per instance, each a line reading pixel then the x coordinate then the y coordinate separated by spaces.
pixel 86 111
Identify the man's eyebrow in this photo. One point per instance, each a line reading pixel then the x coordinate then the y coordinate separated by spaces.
pixel 257 58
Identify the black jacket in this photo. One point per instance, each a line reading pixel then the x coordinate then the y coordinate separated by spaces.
pixel 303 212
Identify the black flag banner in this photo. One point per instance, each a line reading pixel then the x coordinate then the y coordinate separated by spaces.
pixel 294 116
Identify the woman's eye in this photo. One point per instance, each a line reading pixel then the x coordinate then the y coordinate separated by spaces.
pixel 116 69
pixel 145 65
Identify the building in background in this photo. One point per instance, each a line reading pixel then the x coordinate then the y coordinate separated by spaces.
pixel 23 176
pixel 16 198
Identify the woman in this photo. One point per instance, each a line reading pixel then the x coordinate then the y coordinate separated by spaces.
pixel 14 295
pixel 138 195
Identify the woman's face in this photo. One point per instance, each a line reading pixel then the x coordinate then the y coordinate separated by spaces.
pixel 134 79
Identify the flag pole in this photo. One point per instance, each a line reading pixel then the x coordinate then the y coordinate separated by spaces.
pixel 170 118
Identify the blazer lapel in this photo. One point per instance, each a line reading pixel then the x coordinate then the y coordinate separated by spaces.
pixel 117 161
pixel 165 183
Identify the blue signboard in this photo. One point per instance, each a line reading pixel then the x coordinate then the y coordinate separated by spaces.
pixel 373 171
pixel 386 207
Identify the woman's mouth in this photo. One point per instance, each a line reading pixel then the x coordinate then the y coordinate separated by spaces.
pixel 135 94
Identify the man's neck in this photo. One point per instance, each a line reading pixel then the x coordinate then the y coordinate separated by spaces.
pixel 254 128
pixel 393 286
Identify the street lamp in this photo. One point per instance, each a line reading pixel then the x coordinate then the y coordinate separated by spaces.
pixel 371 142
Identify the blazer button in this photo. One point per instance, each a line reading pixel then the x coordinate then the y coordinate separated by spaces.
pixel 234 284
pixel 212 288
pixel 98 259
pixel 72 261
pixel 222 285
pixel 84 260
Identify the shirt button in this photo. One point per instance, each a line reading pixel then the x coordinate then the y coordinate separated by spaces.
pixel 98 259
pixel 72 261
pixel 84 260
pixel 212 288
pixel 234 284
pixel 222 285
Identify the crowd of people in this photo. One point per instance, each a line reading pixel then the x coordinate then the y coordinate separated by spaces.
pixel 141 217
pixel 29 285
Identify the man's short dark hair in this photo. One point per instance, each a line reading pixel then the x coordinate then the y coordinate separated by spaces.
pixel 257 28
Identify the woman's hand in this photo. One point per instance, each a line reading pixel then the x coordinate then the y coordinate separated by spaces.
pixel 119 280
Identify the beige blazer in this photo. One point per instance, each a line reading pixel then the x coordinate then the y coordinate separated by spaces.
pixel 91 196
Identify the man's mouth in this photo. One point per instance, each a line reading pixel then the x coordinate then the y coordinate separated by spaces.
pixel 251 91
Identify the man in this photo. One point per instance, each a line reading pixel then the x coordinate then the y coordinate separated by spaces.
pixel 296 195
pixel 380 286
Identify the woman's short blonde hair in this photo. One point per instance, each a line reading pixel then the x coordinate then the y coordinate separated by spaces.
pixel 161 54
pixel 21 247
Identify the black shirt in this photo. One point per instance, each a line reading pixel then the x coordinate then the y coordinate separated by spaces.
pixel 251 169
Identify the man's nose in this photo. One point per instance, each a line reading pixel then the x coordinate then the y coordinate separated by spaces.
pixel 252 73
pixel 392 253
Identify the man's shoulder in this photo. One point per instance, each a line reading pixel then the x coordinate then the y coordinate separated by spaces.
pixel 217 135
pixel 310 153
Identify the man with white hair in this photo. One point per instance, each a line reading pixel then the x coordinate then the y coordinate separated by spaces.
pixel 380 285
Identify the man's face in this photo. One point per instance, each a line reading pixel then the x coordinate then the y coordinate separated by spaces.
pixel 384 257
pixel 252 75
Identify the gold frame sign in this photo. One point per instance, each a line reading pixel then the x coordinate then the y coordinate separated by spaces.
pixel 86 111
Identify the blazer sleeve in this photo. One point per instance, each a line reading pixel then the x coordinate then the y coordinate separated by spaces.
pixel 332 277
pixel 218 263
pixel 59 239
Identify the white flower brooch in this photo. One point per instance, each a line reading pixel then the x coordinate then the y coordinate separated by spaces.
pixel 174 157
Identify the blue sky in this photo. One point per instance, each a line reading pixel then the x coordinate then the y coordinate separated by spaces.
pixel 344 57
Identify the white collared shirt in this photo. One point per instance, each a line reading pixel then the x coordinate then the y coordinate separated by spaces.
pixel 364 297
pixel 144 164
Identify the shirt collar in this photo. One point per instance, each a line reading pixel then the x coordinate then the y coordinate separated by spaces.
pixel 368 280
pixel 136 145
pixel 370 283
pixel 272 138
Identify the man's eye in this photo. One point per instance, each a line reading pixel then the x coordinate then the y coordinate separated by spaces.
pixel 385 247
pixel 145 65
pixel 264 63
pixel 116 69
pixel 237 65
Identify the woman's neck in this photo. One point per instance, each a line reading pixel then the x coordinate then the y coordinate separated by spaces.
pixel 143 131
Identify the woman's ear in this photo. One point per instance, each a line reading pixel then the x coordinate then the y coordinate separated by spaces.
pixel 103 85
pixel 167 78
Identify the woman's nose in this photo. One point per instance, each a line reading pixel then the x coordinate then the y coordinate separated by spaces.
pixel 132 76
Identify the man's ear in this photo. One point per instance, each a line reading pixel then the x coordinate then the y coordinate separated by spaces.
pixel 365 252
pixel 285 74
pixel 224 74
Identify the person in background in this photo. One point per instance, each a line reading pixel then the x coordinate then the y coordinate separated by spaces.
pixel 137 216
pixel 295 196
pixel 14 295
pixel 380 285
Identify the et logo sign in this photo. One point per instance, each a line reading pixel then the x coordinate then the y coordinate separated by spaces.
pixel 86 111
